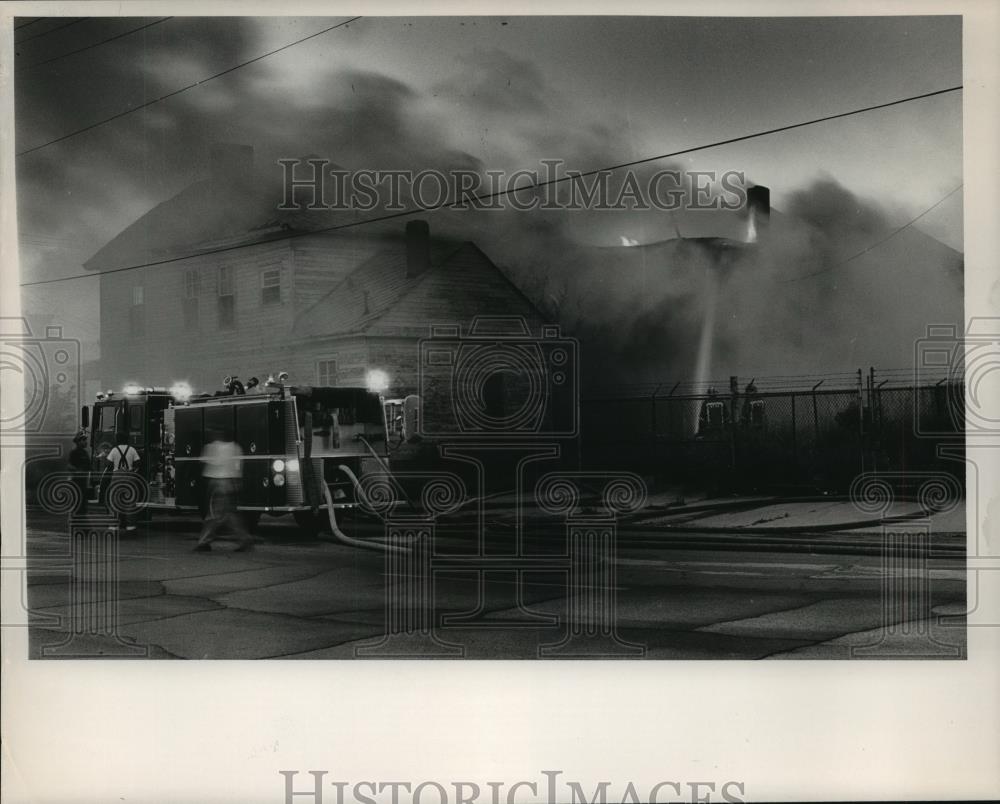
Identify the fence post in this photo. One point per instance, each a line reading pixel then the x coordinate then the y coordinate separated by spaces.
pixel 734 390
pixel 815 452
pixel 881 419
pixel 861 424
pixel 670 420
pixel 795 441
pixel 654 447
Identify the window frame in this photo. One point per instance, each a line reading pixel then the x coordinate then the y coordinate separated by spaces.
pixel 325 361
pixel 192 283
pixel 266 275
pixel 137 312
pixel 226 297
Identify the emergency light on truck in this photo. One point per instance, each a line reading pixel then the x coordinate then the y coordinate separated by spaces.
pixel 377 381
pixel 180 391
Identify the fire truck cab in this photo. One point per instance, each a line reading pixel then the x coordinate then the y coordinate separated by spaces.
pixel 304 447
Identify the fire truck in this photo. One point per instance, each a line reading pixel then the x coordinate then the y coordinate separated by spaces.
pixel 304 447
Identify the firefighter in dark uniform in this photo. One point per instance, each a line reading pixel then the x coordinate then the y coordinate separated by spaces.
pixel 714 415
pixel 753 415
pixel 79 462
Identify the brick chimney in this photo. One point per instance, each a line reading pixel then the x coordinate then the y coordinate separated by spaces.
pixel 758 212
pixel 418 248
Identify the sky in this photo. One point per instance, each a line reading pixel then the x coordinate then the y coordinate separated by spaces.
pixel 490 93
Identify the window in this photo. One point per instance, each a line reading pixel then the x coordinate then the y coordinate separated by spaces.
pixel 326 372
pixel 107 422
pixel 137 313
pixel 227 298
pixel 270 286
pixel 192 287
pixel 135 421
pixel 192 283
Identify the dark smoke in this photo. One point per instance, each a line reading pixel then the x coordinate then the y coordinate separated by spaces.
pixel 637 311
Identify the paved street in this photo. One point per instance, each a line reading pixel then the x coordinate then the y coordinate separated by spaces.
pixel 682 597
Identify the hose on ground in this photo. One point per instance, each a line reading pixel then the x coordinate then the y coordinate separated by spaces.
pixel 343 538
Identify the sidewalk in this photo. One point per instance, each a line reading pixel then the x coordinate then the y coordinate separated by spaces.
pixel 667 511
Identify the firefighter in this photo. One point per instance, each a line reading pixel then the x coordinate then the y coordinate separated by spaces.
pixel 753 413
pixel 223 471
pixel 122 459
pixel 79 462
pixel 714 415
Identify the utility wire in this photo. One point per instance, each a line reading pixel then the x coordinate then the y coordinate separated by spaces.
pixel 96 44
pixel 50 30
pixel 99 123
pixel 498 193
pixel 26 24
pixel 876 244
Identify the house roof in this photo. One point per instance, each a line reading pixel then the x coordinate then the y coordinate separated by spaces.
pixel 205 216
pixel 379 298
pixel 368 291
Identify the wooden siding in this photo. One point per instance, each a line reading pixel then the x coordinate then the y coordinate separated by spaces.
pixel 167 346
pixel 322 261
pixel 467 286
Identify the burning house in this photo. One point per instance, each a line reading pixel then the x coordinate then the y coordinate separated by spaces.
pixel 230 285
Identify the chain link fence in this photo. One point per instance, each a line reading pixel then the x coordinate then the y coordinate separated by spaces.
pixel 814 438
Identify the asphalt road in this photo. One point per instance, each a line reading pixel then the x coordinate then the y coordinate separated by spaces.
pixel 681 597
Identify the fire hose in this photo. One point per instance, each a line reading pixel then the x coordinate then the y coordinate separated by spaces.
pixel 343 537
pixel 385 467
pixel 305 462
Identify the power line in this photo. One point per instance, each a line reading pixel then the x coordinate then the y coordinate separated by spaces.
pixel 96 44
pixel 878 242
pixel 50 30
pixel 92 126
pixel 764 133
pixel 498 193
pixel 26 24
